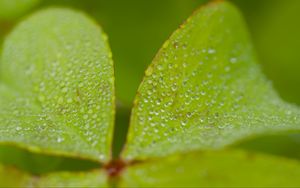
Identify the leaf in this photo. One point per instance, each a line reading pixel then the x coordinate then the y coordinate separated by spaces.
pixel 42 164
pixel 10 177
pixel 57 95
pixel 219 168
pixel 136 30
pixel 83 179
pixel 144 26
pixel 11 9
pixel 276 40
pixel 204 90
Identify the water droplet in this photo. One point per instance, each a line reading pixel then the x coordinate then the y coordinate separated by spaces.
pixel 233 60
pixel 227 68
pixel 176 45
pixel 174 87
pixel 59 139
pixel 211 51
pixel 158 102
pixel 159 67
pixel 102 157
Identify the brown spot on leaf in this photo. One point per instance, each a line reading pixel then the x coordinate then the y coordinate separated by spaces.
pixel 115 167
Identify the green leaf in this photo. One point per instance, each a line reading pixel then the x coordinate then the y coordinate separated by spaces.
pixel 276 38
pixel 136 30
pixel 57 91
pixel 144 26
pixel 219 168
pixel 204 90
pixel 11 9
pixel 83 179
pixel 10 177
pixel 35 163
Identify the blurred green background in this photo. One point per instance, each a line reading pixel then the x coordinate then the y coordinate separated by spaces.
pixel 138 28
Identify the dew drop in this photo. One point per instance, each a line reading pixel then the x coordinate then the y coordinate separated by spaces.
pixel 233 60
pixel 211 51
pixel 227 68
pixel 176 45
pixel 174 87
pixel 59 139
pixel 158 102
pixel 159 67
pixel 102 157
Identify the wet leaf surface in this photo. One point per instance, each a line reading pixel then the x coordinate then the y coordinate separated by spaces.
pixel 205 90
pixel 57 90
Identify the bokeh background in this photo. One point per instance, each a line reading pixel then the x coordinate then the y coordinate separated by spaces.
pixel 138 28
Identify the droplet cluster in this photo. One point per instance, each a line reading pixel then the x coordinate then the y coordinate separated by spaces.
pixel 61 68
pixel 204 90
